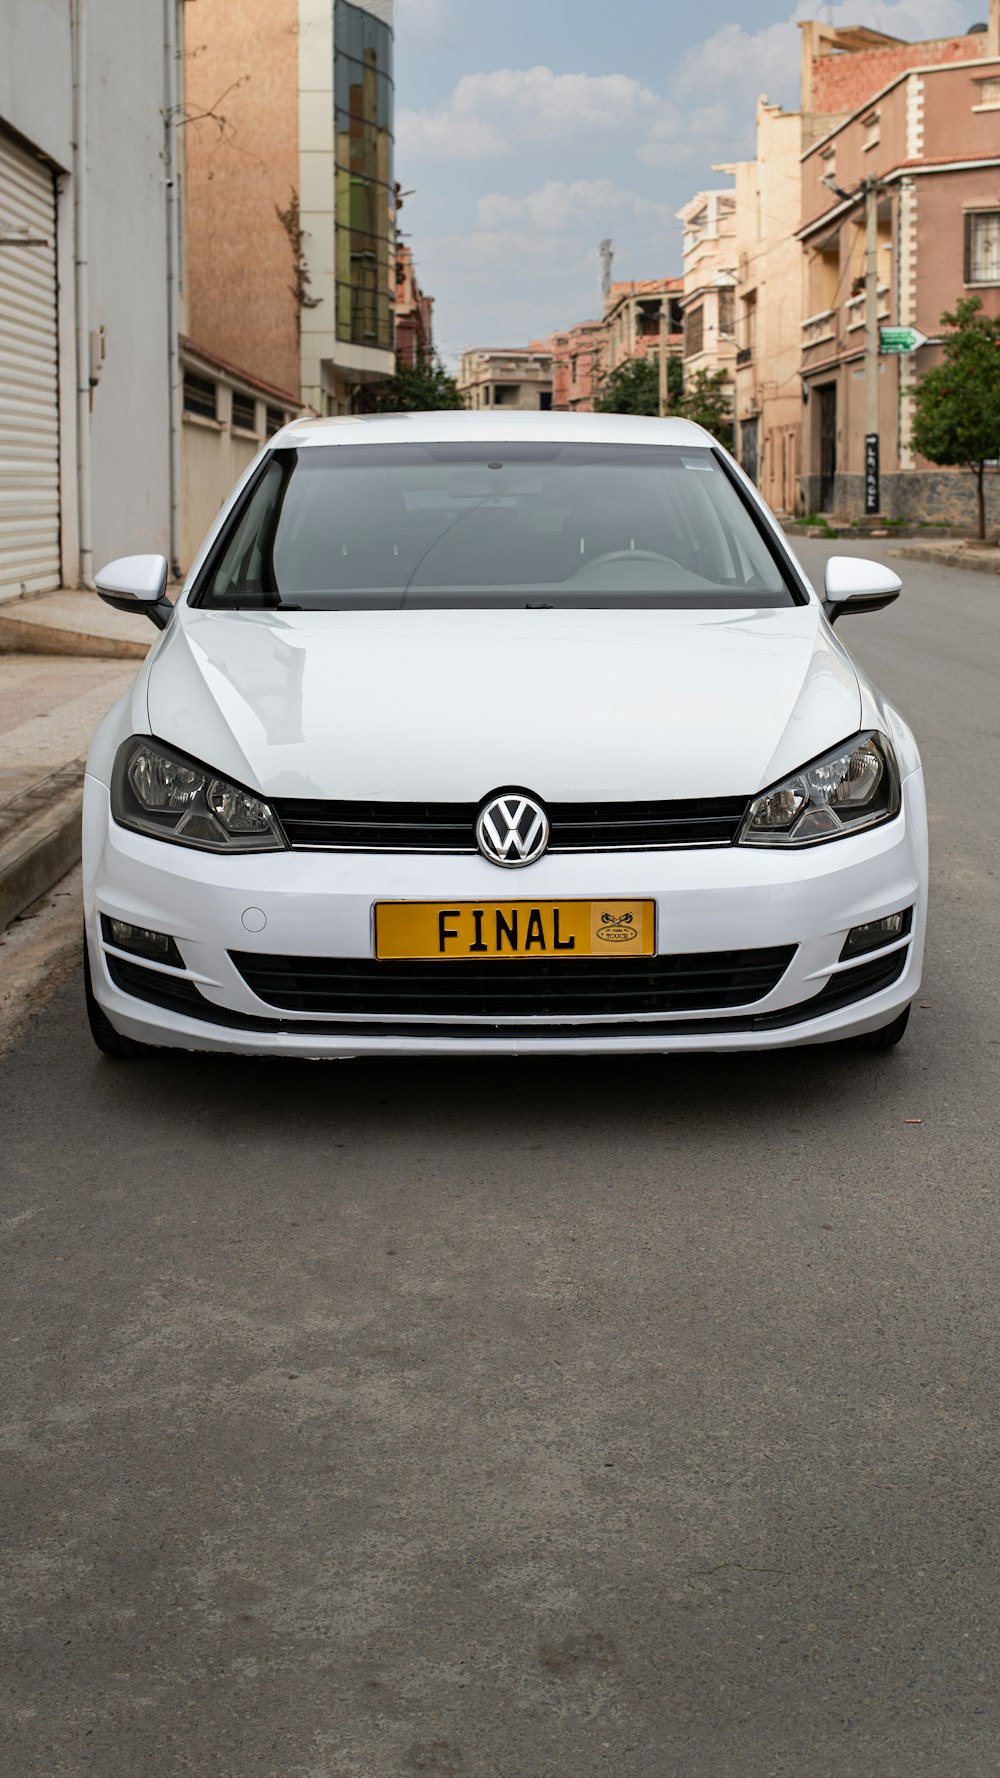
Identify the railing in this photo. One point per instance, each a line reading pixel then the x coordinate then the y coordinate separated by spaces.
pixel 818 329
pixel 855 307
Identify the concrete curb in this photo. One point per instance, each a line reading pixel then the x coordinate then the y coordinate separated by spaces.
pixel 18 635
pixel 964 559
pixel 36 853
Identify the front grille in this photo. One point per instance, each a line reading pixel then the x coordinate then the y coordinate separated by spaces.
pixel 567 988
pixel 451 827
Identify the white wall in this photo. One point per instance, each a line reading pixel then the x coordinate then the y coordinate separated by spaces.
pixel 126 249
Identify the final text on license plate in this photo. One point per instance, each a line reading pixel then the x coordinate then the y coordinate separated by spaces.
pixel 479 930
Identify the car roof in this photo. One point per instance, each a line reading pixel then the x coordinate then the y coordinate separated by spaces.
pixel 476 426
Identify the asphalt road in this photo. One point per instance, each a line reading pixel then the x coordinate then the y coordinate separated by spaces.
pixel 525 1420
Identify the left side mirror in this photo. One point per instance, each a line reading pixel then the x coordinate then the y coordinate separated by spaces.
pixel 852 584
pixel 137 583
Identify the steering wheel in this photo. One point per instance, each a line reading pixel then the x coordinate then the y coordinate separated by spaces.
pixel 627 555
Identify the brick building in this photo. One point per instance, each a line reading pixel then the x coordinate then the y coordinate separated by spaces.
pixel 289 196
pixel 931 135
pixel 414 311
pixel 576 366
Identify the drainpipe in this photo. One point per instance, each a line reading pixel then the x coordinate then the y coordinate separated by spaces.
pixel 81 280
pixel 171 105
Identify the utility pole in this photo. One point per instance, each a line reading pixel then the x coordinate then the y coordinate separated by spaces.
pixel 664 323
pixel 872 490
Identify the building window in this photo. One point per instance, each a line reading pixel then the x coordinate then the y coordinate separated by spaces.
pixel 872 130
pixel 199 396
pixel 988 96
pixel 275 420
pixel 727 312
pixel 363 111
pixel 244 412
pixel 545 400
pixel 982 247
pixel 694 332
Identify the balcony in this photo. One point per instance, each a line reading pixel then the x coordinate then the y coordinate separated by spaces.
pixel 818 330
pixel 855 308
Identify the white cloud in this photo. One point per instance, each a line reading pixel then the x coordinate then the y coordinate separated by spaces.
pixel 513 108
pixel 559 205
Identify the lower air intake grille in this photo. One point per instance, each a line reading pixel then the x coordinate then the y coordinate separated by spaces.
pixel 537 989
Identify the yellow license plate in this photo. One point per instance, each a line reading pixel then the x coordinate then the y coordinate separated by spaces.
pixel 474 931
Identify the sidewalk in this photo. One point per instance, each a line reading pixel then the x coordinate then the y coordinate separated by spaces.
pixel 72 623
pixel 950 553
pixel 64 660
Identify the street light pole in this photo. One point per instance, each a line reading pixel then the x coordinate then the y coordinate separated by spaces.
pixel 872 490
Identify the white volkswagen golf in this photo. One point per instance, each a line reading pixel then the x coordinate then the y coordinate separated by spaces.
pixel 478 734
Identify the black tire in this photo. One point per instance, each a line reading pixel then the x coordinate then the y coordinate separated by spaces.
pixel 109 1041
pixel 886 1038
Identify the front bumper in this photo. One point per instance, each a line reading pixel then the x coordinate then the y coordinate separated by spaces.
pixel 320 905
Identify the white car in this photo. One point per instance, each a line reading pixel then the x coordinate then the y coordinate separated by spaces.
pixel 479 734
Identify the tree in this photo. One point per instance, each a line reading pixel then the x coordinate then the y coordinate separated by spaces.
pixel 706 401
pixel 415 388
pixel 957 417
pixel 633 387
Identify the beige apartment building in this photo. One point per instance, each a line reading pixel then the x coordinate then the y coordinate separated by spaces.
pixel 513 377
pixel 930 135
pixel 708 303
pixel 768 398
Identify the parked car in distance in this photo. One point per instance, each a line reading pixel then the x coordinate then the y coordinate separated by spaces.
pixel 479 734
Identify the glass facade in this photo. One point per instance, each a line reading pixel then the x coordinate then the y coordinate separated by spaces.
pixel 363 108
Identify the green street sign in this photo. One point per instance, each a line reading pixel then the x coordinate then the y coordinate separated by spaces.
pixel 900 339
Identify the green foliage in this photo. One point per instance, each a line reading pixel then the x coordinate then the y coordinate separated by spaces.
pixel 707 402
pixel 957 404
pixel 416 388
pixel 633 387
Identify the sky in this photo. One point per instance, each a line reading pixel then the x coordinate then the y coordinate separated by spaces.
pixel 529 130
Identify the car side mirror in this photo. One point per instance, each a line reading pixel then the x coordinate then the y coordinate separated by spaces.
pixel 137 583
pixel 852 584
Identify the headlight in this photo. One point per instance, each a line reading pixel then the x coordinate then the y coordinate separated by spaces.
pixel 157 791
pixel 854 786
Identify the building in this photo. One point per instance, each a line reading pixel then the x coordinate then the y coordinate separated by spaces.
pixel 930 135
pixel 708 303
pixel 577 355
pixel 768 397
pixel 518 377
pixel 86 281
pixel 290 202
pixel 639 317
pixel 414 311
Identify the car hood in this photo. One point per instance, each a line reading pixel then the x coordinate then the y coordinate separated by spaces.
pixel 446 706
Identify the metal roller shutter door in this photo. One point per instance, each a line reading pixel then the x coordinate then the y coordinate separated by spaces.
pixel 29 386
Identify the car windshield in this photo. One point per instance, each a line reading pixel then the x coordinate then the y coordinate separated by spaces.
pixel 467 526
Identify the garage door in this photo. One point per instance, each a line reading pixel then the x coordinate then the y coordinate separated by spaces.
pixel 29 390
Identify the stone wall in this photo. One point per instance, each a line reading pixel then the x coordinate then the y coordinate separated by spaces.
pixel 940 494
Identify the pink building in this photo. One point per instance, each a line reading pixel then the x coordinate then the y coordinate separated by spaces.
pixel 930 134
pixel 576 366
pixel 414 311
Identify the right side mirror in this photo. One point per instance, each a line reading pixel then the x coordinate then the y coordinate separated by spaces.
pixel 852 584
pixel 137 583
